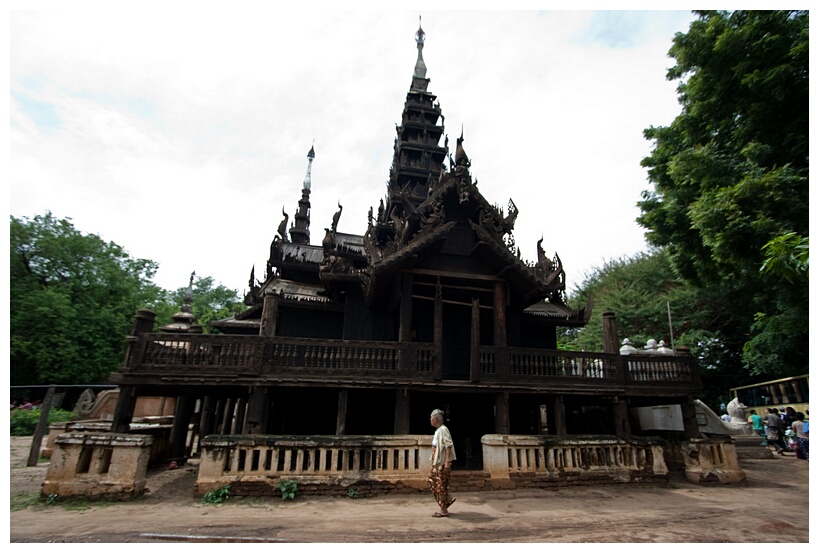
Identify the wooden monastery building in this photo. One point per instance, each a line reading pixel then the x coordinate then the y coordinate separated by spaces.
pixel 431 306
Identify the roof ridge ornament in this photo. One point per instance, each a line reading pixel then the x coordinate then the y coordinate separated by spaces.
pixel 311 155
pixel 420 67
pixel 419 76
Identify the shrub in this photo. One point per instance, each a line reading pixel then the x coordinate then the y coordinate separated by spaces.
pixel 217 496
pixel 288 489
pixel 23 422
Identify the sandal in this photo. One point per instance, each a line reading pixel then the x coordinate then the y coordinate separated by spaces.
pixel 436 514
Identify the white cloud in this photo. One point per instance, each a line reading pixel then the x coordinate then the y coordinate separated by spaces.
pixel 183 133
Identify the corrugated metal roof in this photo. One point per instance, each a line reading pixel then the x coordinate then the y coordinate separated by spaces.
pixel 297 291
pixel 350 242
pixel 302 253
pixel 546 309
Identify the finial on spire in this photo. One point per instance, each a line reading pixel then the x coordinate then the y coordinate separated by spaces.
pixel 311 155
pixel 188 298
pixel 420 67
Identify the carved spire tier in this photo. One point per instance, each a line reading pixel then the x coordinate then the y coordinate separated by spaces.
pixel 418 158
pixel 300 231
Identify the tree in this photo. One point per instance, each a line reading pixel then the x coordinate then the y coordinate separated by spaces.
pixel 209 302
pixel 640 290
pixel 730 174
pixel 72 301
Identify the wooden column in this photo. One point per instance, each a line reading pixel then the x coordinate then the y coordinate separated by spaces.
pixel 42 428
pixel 206 416
pixel 499 310
pixel 239 421
pixel 179 431
pixel 227 416
pixel 610 342
pixel 560 417
pixel 622 426
pixel 475 342
pixel 502 413
pixel 258 405
pixel 402 402
pixel 143 322
pixel 405 321
pixel 270 314
pixel 341 417
pixel 438 333
pixel 689 415
pixel 124 411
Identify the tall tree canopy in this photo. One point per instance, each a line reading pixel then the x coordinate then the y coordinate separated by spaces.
pixel 73 297
pixel 730 174
pixel 641 290
pixel 72 300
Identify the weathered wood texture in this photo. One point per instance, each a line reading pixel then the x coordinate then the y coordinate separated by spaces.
pixel 258 359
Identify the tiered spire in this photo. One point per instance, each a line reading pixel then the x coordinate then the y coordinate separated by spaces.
pixel 300 231
pixel 418 158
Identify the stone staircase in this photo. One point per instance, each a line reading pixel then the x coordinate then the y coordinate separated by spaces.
pixel 748 447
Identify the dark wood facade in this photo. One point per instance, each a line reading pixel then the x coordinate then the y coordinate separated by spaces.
pixel 431 307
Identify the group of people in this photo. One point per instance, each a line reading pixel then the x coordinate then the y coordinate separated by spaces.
pixel 775 426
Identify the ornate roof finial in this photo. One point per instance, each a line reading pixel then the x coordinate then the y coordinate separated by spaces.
pixel 420 36
pixel 311 155
pixel 188 298
pixel 460 155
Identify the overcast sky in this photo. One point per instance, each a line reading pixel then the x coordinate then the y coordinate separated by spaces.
pixel 181 134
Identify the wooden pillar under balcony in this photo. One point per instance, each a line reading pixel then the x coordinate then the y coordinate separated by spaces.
pixel 405 320
pixel 258 406
pixel 438 333
pixel 206 416
pixel 499 298
pixel 179 431
pixel 475 343
pixel 402 403
pixel 689 414
pixel 341 417
pixel 560 417
pixel 124 411
pixel 239 421
pixel 270 314
pixel 502 413
pixel 610 341
pixel 227 416
pixel 622 426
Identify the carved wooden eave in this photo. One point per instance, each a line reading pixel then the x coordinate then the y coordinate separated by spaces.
pixel 525 285
pixel 377 277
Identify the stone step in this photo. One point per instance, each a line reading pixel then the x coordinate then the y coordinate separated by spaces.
pixel 750 447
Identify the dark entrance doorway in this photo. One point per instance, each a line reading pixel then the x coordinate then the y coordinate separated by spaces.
pixel 456 341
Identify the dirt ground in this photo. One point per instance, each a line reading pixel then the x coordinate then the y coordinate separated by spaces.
pixel 772 506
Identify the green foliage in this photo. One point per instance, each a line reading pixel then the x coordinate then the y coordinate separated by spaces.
pixel 730 178
pixel 353 493
pixel 288 488
pixel 640 290
pixel 23 422
pixel 72 301
pixel 787 257
pixel 209 302
pixel 217 496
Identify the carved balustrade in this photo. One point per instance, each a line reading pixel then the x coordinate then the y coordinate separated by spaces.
pixel 201 355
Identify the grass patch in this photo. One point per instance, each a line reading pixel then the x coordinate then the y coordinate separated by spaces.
pixel 24 500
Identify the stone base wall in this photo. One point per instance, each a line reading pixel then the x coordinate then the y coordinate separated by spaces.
pixel 707 461
pixel 374 465
pixel 109 466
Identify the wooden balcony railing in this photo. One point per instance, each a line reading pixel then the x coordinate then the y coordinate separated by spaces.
pixel 189 355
